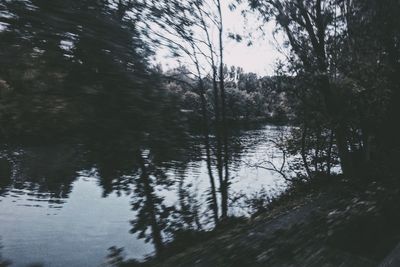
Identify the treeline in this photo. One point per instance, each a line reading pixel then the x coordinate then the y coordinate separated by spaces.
pixel 249 97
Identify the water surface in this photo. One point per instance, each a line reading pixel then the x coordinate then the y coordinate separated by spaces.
pixel 65 205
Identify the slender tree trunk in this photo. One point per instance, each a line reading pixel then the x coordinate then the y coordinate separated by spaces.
pixel 206 129
pixel 225 184
pixel 206 132
pixel 317 149
pixel 218 137
pixel 303 151
pixel 208 156
pixel 345 161
pixel 217 104
pixel 329 155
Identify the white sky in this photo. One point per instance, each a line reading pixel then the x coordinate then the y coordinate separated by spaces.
pixel 259 58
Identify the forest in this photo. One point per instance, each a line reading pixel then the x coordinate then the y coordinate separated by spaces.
pixel 127 139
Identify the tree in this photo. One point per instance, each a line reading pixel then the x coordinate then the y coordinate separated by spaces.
pixel 371 60
pixel 339 56
pixel 185 29
pixel 83 67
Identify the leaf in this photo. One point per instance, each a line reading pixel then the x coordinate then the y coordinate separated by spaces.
pixel 238 38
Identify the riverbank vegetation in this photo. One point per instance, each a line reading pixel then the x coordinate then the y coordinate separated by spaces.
pixel 87 72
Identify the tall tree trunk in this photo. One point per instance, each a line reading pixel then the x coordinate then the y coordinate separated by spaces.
pixel 225 184
pixel 206 132
pixel 333 107
pixel 218 132
pixel 331 99
pixel 316 28
pixel 206 129
pixel 219 150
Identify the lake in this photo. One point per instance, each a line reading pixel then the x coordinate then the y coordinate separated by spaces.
pixel 65 205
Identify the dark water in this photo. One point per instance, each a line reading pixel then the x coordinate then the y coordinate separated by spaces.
pixel 65 205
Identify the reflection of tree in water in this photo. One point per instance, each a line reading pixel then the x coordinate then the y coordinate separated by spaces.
pixel 46 169
pixel 152 213
pixel 114 165
pixel 157 220
pixel 188 207
pixel 84 69
pixel 88 73
pixel 5 175
pixel 79 70
pixel 168 148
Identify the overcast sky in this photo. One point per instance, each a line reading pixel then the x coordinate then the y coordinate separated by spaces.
pixel 261 55
pixel 259 58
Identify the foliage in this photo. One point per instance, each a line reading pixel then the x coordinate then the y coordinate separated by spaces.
pixel 248 97
pixel 69 67
pixel 343 78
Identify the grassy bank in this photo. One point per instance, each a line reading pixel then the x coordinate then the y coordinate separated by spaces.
pixel 328 222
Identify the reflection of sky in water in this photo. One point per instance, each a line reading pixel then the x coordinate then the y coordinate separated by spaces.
pixel 79 229
pixel 245 179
